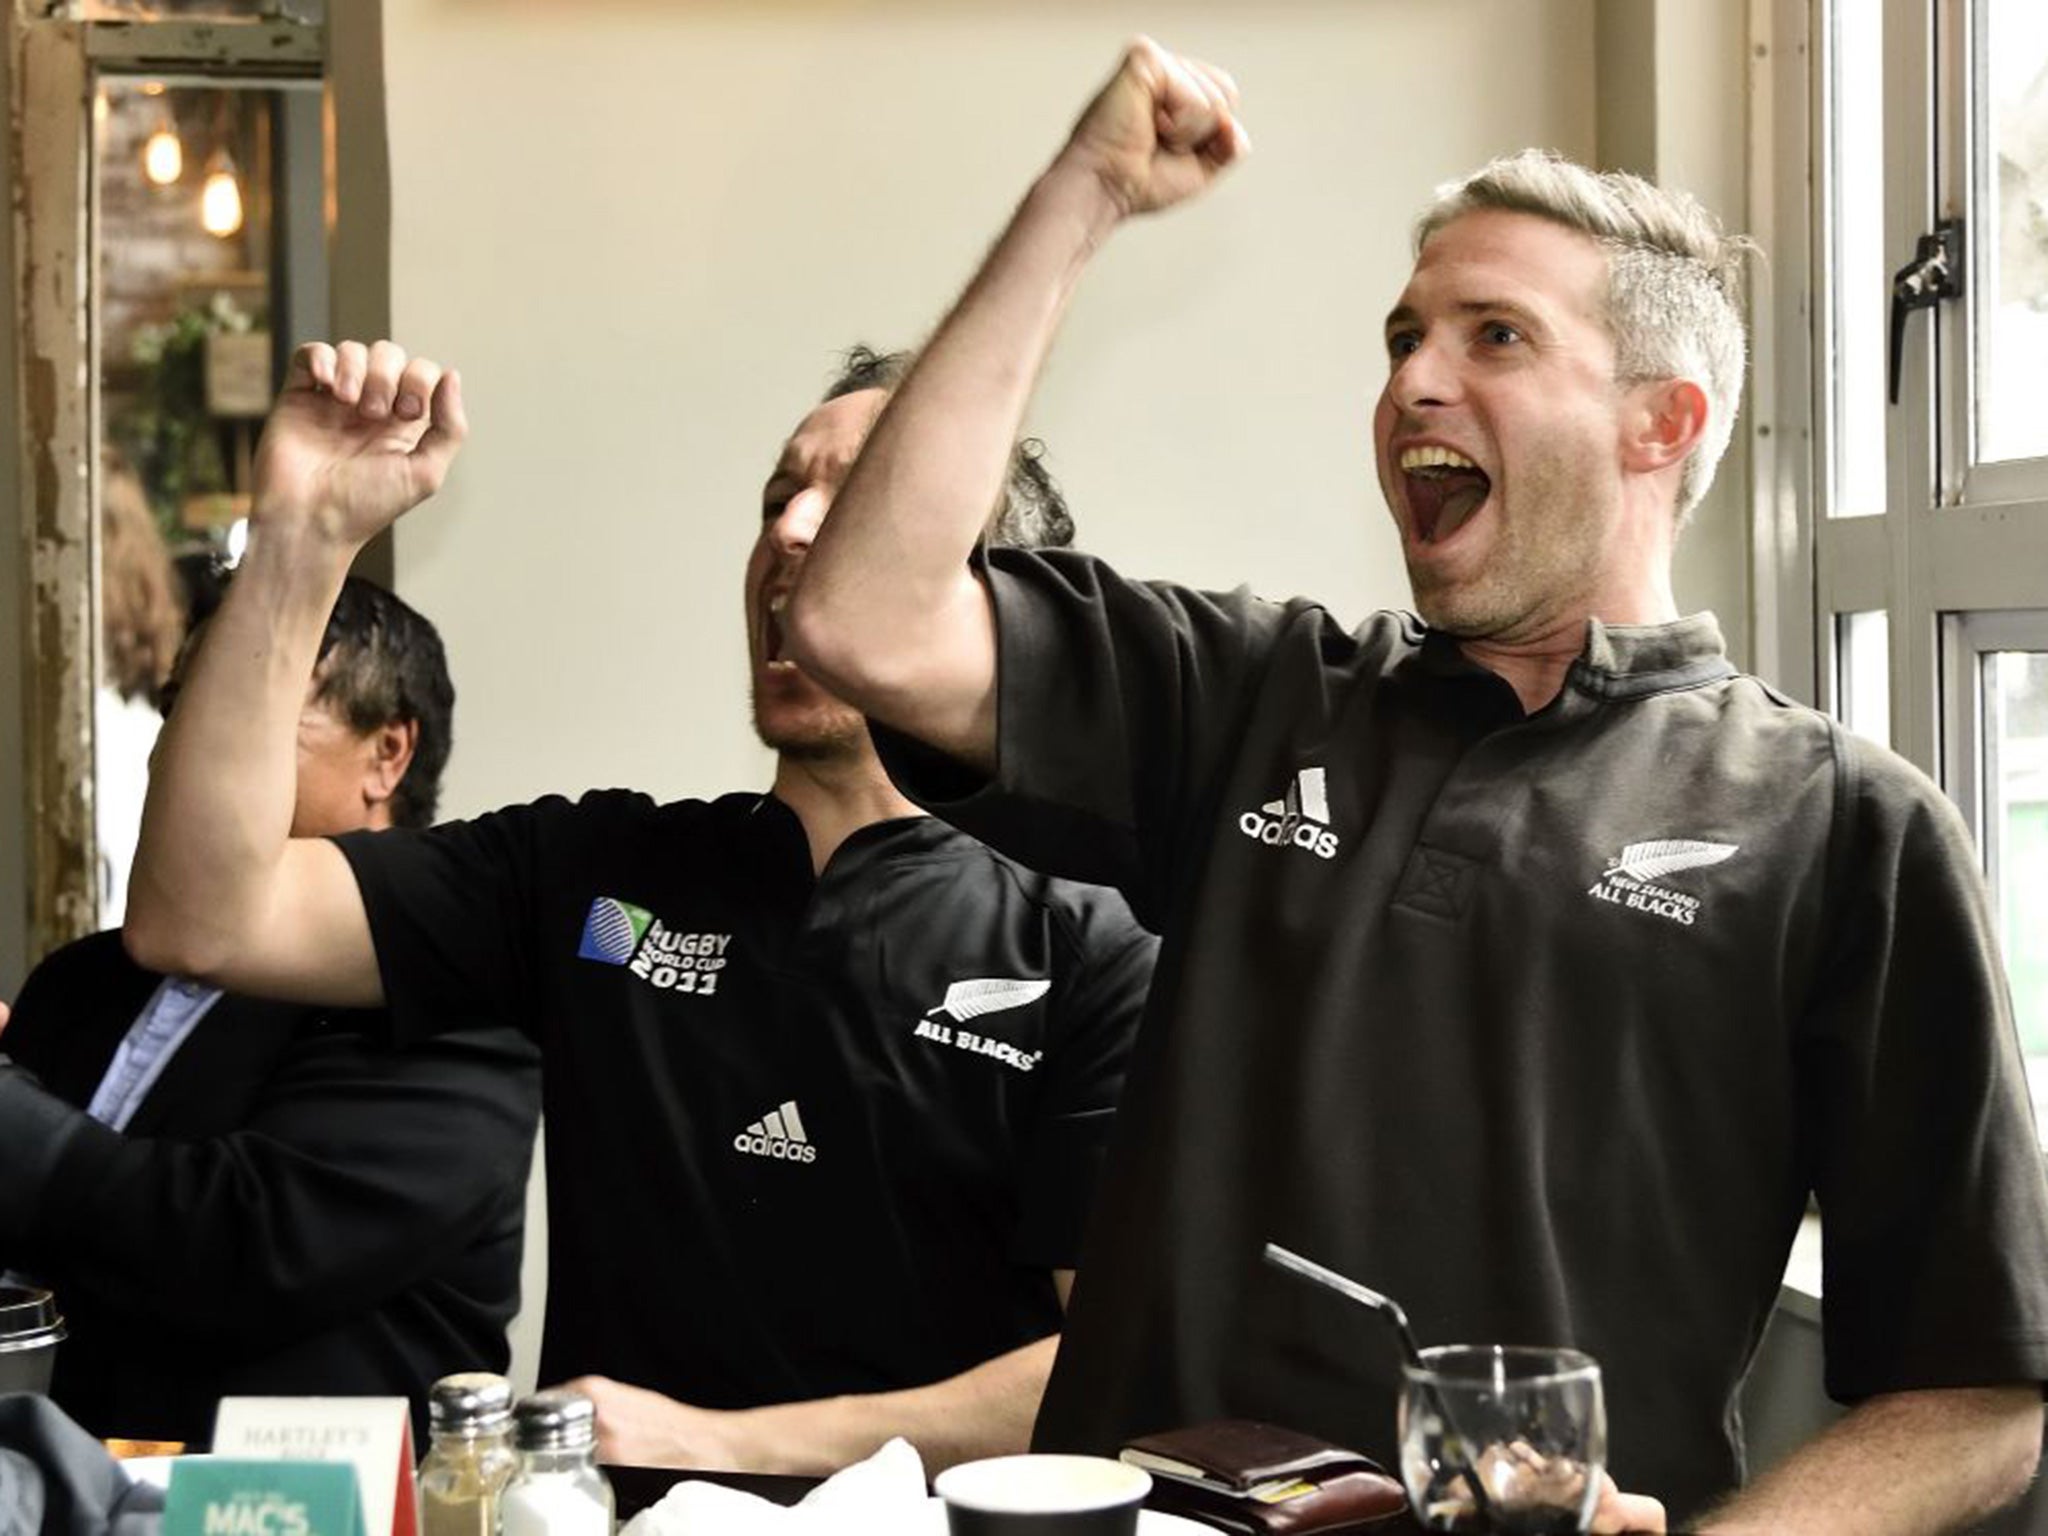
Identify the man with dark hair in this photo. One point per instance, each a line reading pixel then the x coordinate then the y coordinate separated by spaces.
pixel 381 662
pixel 1526 960
pixel 826 1081
pixel 232 1196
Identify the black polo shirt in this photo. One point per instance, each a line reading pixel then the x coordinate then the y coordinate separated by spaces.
pixel 803 1137
pixel 1545 1025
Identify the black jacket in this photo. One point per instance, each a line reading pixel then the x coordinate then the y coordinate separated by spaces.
pixel 294 1208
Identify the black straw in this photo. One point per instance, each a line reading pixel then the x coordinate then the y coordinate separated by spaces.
pixel 1387 1307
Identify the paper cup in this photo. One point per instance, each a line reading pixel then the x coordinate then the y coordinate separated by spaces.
pixel 1043 1496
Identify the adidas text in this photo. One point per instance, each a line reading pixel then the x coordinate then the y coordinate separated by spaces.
pixel 787 1151
pixel 1290 830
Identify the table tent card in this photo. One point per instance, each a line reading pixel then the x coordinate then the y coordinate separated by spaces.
pixel 373 1434
pixel 213 1496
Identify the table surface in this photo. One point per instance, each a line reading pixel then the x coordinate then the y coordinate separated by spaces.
pixel 637 1487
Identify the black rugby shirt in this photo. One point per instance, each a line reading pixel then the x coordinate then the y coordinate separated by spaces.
pixel 803 1137
pixel 1545 1024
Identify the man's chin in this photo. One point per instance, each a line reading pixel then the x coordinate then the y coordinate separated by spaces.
pixel 1456 609
pixel 815 739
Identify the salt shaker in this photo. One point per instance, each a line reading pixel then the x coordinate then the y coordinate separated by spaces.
pixel 557 1489
pixel 470 1458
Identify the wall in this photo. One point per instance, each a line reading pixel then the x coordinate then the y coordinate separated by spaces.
pixel 1671 79
pixel 644 229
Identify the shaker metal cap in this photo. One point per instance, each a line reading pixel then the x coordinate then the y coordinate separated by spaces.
pixel 470 1400
pixel 28 1318
pixel 554 1421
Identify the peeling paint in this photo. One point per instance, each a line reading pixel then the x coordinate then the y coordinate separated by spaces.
pixel 48 157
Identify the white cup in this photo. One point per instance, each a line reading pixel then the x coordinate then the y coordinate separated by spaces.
pixel 1043 1496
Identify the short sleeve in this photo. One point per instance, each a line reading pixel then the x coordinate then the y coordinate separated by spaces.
pixel 1118 705
pixel 450 910
pixel 1934 1210
pixel 1106 962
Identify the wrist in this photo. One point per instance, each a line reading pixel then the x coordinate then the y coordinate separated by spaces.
pixel 296 553
pixel 791 1439
pixel 1078 187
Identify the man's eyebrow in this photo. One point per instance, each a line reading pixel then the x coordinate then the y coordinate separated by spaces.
pixel 1403 314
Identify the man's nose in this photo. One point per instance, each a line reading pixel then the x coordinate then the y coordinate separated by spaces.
pixel 1427 376
pixel 801 518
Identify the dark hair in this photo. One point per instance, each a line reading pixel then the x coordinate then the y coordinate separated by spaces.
pixel 380 663
pixel 1033 514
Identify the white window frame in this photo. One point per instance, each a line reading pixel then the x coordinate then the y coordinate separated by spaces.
pixel 1959 558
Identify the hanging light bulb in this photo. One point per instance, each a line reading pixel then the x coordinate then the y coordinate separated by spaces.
pixel 220 201
pixel 163 156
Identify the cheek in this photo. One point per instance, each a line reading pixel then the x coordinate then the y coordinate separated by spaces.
pixel 1382 432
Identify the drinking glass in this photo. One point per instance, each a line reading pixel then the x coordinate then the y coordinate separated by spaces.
pixel 1503 1439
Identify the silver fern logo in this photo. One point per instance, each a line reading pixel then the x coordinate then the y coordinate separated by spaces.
pixel 1667 856
pixel 971 999
pixel 1634 877
pixel 975 999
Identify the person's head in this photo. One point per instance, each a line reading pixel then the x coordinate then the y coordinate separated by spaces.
pixel 142 614
pixel 378 720
pixel 1032 513
pixel 792 714
pixel 1565 367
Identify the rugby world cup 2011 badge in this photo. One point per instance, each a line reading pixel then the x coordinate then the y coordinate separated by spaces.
pixel 668 959
pixel 613 930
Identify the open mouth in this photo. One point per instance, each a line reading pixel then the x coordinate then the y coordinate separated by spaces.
pixel 1443 490
pixel 771 634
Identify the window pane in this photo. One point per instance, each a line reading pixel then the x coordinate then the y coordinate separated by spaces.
pixel 2011 229
pixel 1863 674
pixel 1861 291
pixel 2016 826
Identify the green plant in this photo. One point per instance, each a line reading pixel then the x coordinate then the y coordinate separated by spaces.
pixel 169 437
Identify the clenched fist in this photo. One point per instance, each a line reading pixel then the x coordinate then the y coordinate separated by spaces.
pixel 359 435
pixel 1161 130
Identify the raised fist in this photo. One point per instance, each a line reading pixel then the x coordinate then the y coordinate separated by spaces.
pixel 1161 130
pixel 358 436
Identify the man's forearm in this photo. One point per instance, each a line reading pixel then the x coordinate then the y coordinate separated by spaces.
pixel 1907 1462
pixel 224 776
pixel 933 468
pixel 985 1411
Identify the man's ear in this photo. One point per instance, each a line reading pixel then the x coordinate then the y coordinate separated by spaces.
pixel 1664 422
pixel 391 750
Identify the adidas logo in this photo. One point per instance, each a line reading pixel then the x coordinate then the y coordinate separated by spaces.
pixel 778 1134
pixel 1298 819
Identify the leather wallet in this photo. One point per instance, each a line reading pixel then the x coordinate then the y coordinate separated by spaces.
pixel 1241 1475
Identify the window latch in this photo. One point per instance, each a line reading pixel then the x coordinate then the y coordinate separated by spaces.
pixel 1935 273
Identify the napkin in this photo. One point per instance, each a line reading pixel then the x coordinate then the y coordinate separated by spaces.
pixel 882 1496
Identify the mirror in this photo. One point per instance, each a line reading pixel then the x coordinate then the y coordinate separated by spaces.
pixel 211 264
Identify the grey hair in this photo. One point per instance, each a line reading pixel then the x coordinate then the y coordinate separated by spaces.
pixel 1674 279
pixel 1033 513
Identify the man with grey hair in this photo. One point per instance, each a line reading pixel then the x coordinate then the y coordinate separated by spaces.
pixel 826 1081
pixel 1527 962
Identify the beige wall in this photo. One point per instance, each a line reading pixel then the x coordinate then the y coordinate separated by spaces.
pixel 1672 85
pixel 644 229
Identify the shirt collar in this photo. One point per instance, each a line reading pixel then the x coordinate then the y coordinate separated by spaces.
pixel 1620 661
pixel 1629 660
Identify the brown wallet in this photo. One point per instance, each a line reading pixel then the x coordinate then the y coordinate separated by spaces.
pixel 1240 1475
